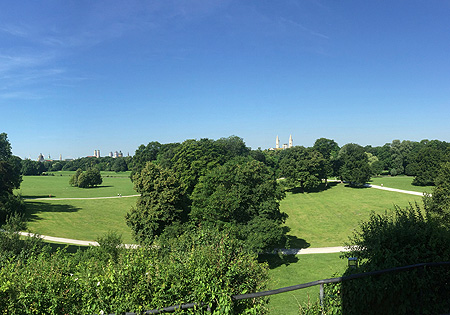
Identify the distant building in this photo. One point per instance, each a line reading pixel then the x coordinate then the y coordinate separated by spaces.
pixel 285 145
pixel 97 153
pixel 40 158
pixel 111 154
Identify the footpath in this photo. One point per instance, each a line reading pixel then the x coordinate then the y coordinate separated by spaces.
pixel 291 251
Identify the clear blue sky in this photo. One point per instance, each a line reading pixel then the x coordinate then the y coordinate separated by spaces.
pixel 76 76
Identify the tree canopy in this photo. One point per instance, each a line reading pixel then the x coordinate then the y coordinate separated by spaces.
pixel 10 179
pixel 303 166
pixel 87 179
pixel 354 164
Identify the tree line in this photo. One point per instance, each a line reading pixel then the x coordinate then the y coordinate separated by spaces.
pixel 119 164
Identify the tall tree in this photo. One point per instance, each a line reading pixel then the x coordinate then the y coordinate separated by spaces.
pixel 161 204
pixel 143 155
pixel 355 164
pixel 438 202
pixel 241 196
pixel 10 179
pixel 303 167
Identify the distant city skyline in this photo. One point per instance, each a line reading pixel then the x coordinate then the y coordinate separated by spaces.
pixel 80 76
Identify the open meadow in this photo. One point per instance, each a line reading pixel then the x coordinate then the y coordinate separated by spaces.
pixel 328 217
pixel 318 219
pixel 399 182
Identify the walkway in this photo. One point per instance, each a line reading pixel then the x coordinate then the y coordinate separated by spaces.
pixel 293 251
pixel 81 198
pixel 395 190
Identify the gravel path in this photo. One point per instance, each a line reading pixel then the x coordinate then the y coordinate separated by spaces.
pixel 91 198
pixel 396 190
pixel 293 251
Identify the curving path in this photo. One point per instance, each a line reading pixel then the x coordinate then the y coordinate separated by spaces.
pixel 81 198
pixel 395 190
pixel 292 251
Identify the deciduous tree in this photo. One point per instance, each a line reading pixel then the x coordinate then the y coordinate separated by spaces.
pixel 355 164
pixel 160 205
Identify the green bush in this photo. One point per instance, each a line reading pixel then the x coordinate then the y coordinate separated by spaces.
pixel 204 267
pixel 407 237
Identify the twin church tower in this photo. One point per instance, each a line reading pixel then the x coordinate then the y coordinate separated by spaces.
pixel 285 146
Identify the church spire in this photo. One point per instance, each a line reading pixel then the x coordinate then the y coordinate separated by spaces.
pixel 291 143
pixel 277 143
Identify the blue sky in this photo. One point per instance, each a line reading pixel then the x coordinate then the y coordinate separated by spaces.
pixel 76 76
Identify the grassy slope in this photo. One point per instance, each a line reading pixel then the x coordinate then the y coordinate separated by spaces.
pixel 80 219
pixel 58 186
pixel 399 182
pixel 327 218
pixel 77 219
pixel 299 269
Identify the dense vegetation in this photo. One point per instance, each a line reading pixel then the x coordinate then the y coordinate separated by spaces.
pixel 208 184
pixel 87 179
pixel 205 268
pixel 10 179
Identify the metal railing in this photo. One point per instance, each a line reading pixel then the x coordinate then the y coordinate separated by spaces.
pixel 237 297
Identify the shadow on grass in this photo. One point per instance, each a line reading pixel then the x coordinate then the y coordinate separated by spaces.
pixel 320 188
pixel 275 261
pixel 356 186
pixel 97 187
pixel 295 242
pixel 36 196
pixel 34 208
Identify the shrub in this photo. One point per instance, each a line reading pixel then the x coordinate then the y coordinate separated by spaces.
pixel 204 268
pixel 407 237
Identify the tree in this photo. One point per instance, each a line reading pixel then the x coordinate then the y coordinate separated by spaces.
pixel 428 162
pixel 329 150
pixel 10 179
pixel 303 167
pixel 355 164
pixel 194 158
pixel 407 237
pixel 241 196
pixel 88 179
pixel 438 202
pixel 143 155
pixel 160 205
pixel 73 181
pixel 119 165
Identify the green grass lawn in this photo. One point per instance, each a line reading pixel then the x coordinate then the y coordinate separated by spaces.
pixel 80 219
pixel 399 182
pixel 291 270
pixel 58 186
pixel 328 217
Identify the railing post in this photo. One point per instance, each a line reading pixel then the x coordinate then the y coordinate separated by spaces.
pixel 321 296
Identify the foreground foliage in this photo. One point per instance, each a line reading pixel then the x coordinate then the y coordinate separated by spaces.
pixel 408 237
pixel 10 179
pixel 204 268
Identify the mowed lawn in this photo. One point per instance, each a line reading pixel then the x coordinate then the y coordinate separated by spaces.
pixel 399 182
pixel 58 186
pixel 77 219
pixel 328 217
pixel 291 270
pixel 80 219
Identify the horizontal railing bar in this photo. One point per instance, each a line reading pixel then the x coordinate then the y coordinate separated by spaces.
pixel 333 280
pixel 295 287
